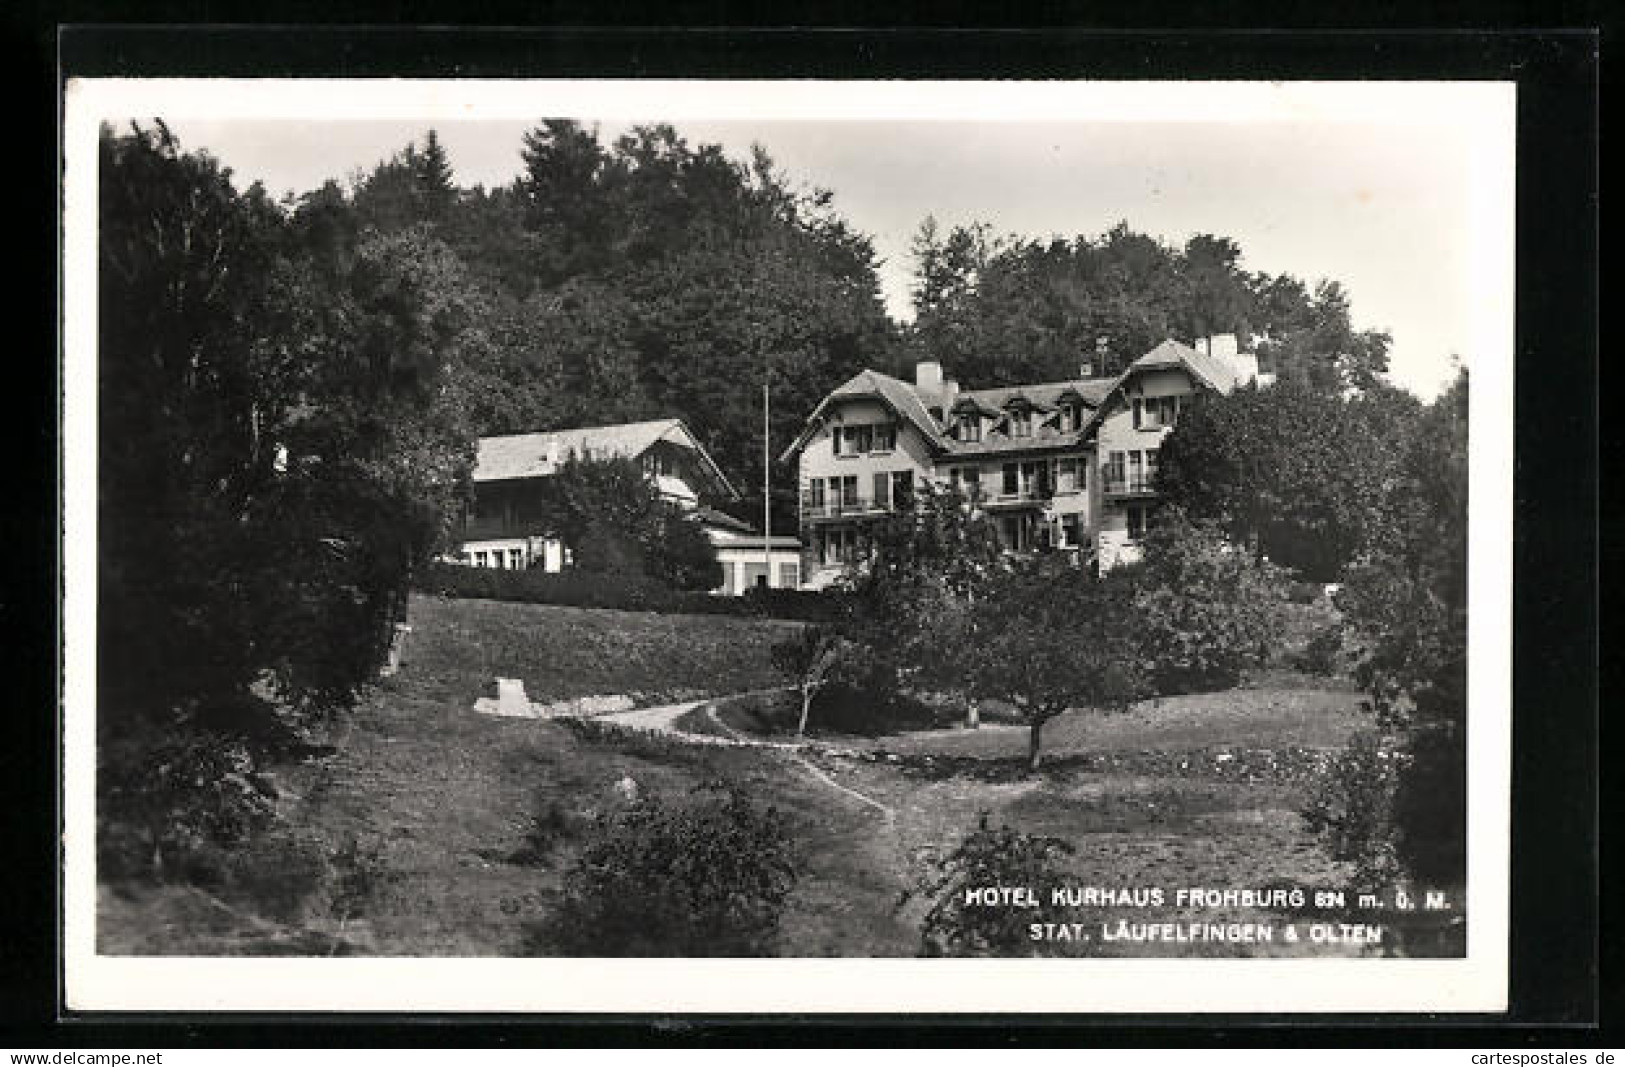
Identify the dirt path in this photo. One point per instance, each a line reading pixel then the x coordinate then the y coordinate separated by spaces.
pixel 663 720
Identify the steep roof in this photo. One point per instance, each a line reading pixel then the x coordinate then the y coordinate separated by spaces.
pixel 1207 370
pixel 1214 373
pixel 893 392
pixel 906 401
pixel 537 455
pixel 1046 396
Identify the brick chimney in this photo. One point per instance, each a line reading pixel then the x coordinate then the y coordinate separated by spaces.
pixel 928 376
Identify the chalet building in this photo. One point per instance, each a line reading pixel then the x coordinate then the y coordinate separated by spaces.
pixel 1069 465
pixel 508 525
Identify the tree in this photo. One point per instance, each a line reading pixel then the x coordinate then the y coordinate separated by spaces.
pixel 915 599
pixel 1298 475
pixel 1406 607
pixel 280 448
pixel 1204 609
pixel 1001 310
pixel 1055 638
pixel 814 657
pixel 614 519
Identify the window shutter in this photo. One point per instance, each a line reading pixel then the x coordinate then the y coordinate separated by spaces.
pixel 1139 407
pixel 882 484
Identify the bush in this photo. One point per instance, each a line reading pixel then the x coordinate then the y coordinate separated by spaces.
pixel 708 877
pixel 1352 804
pixel 990 857
pixel 1323 653
pixel 1430 806
pixel 551 825
pixel 1206 610
pixel 175 806
pixel 628 592
pixel 281 873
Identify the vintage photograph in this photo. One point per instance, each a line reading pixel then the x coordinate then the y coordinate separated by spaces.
pixel 670 530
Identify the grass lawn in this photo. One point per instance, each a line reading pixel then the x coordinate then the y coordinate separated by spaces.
pixel 458 646
pixel 1198 791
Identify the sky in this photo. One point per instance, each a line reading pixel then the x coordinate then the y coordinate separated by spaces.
pixel 1391 207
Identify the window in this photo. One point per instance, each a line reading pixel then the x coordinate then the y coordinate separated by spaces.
pixel 1071 531
pixel 1035 478
pixel 885 437
pixel 789 575
pixel 837 441
pixel 1150 468
pixel 516 558
pixel 1071 416
pixel 1016 532
pixel 1113 470
pixel 968 482
pixel 1136 477
pixel 1021 423
pixel 849 490
pixel 882 489
pixel 1066 476
pixel 902 487
pixel 1012 479
pixel 1160 412
pixel 815 493
pixel 970 427
pixel 1139 412
pixel 838 546
pixel 1138 516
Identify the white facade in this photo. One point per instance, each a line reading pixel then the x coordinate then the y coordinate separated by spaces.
pixel 1066 465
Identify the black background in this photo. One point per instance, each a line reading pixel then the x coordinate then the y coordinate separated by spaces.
pixel 1559 992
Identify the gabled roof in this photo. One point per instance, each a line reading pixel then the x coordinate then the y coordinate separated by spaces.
pixel 1213 373
pixel 537 455
pixel 893 392
pixel 907 403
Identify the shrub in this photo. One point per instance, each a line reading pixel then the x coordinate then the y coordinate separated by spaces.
pixel 1206 610
pixel 1430 805
pixel 1352 804
pixel 551 825
pixel 1323 653
pixel 707 877
pixel 172 807
pixel 991 857
pixel 281 873
pixel 627 592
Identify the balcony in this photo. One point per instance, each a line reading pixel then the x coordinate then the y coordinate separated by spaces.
pixel 1031 496
pixel 842 507
pixel 1129 487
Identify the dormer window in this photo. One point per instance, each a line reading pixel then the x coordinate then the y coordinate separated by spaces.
pixel 970 426
pixel 1021 423
pixel 1071 416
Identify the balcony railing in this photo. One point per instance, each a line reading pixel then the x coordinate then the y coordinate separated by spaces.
pixel 1141 486
pixel 835 507
pixel 1037 494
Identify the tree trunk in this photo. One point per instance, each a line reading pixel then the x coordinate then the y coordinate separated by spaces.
pixel 1035 737
pixel 973 715
pixel 806 706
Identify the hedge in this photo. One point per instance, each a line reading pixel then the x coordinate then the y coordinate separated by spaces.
pixel 581 589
